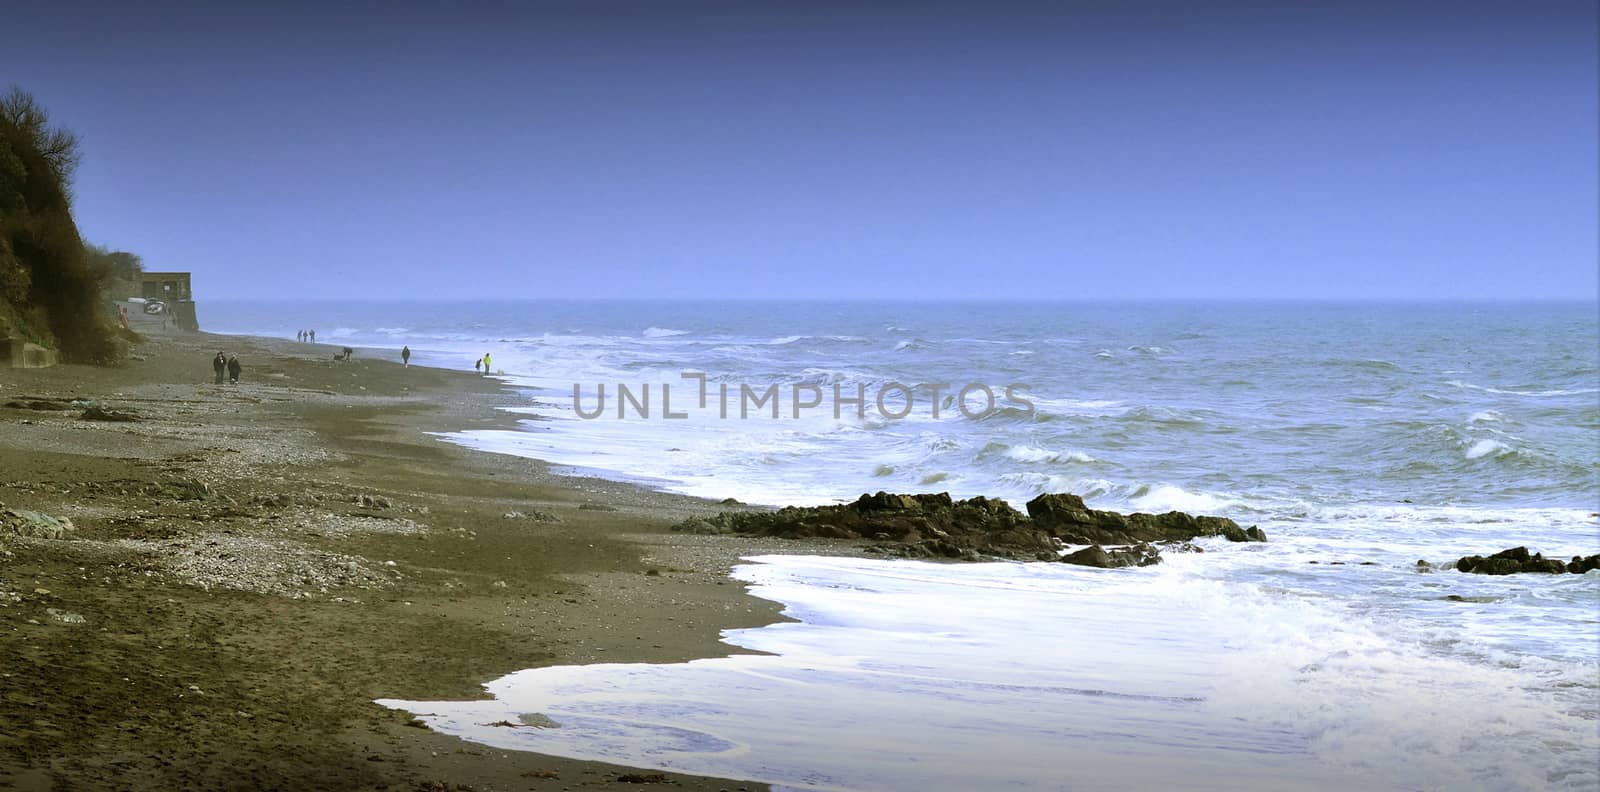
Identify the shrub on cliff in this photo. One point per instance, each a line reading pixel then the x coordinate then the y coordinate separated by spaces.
pixel 48 291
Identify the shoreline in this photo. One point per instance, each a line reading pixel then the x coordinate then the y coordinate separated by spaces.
pixel 252 565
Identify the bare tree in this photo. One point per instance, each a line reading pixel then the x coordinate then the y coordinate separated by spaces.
pixel 58 146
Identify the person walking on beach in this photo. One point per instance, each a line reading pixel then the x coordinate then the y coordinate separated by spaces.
pixel 219 363
pixel 311 335
pixel 477 364
pixel 486 362
pixel 233 369
pixel 405 356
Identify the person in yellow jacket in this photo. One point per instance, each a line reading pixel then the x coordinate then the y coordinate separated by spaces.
pixel 486 368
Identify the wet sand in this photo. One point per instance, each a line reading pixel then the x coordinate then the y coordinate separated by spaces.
pixel 251 565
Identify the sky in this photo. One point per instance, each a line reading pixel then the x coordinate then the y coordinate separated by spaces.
pixel 1072 151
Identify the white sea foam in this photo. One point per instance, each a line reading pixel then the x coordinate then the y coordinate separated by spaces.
pixel 902 675
pixel 1484 448
pixel 1534 393
pixel 1165 498
pixel 662 332
pixel 1035 454
pixel 1064 406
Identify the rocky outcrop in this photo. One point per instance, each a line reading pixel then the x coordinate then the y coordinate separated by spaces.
pixel 936 526
pixel 1066 517
pixel 1097 556
pixel 1518 559
pixel 22 522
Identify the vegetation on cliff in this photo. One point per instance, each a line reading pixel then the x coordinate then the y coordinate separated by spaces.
pixel 50 290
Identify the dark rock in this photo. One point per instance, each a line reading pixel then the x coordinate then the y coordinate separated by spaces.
pixel 1234 533
pixel 1579 564
pixel 1424 566
pixel 1065 517
pixel 883 501
pixel 98 413
pixel 936 526
pixel 701 525
pixel 1097 556
pixel 1518 560
pixel 41 405
pixel 642 778
pixel 1517 554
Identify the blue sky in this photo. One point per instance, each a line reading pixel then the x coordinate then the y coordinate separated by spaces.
pixel 1090 150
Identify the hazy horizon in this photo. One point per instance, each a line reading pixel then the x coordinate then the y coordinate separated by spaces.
pixel 1148 151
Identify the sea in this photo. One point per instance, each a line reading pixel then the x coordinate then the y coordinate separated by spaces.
pixel 1362 437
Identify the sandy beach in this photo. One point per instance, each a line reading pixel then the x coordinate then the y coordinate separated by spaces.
pixel 249 566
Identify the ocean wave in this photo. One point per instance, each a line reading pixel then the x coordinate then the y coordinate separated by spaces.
pixel 1487 416
pixel 1533 393
pixel 1163 416
pixel 790 339
pixel 662 332
pixel 1007 415
pixel 1036 454
pixel 392 330
pixel 1081 406
pixel 1484 448
pixel 1370 364
pixel 1166 497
